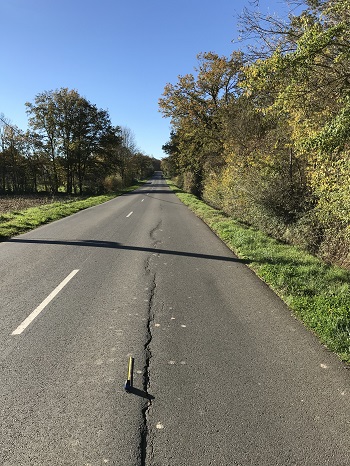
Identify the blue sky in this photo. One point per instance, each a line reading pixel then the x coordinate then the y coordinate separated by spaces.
pixel 117 54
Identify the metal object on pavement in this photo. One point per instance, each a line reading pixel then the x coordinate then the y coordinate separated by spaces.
pixel 129 380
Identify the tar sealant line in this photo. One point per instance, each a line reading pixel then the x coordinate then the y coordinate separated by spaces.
pixel 42 306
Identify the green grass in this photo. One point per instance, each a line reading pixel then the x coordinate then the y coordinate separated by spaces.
pixel 17 222
pixel 317 293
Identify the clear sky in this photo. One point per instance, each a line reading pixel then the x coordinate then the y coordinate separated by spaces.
pixel 117 54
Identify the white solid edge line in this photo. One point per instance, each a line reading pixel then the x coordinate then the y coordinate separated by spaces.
pixel 41 306
pixel 129 214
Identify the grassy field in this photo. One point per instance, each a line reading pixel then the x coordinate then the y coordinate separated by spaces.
pixel 19 214
pixel 317 293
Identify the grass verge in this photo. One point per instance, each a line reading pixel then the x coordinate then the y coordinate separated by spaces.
pixel 317 293
pixel 17 222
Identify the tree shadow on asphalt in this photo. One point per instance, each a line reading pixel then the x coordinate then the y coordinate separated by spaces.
pixel 149 191
pixel 115 245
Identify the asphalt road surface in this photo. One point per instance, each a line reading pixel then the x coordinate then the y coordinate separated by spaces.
pixel 223 374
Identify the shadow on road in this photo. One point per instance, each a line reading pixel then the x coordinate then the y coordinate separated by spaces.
pixel 140 393
pixel 149 191
pixel 178 202
pixel 115 245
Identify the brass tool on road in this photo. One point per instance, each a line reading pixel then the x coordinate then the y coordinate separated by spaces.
pixel 128 383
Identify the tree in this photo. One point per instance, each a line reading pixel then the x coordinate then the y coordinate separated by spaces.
pixel 13 166
pixel 195 106
pixel 128 140
pixel 308 88
pixel 71 131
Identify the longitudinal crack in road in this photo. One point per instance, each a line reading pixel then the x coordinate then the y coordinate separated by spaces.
pixel 146 447
pixel 146 444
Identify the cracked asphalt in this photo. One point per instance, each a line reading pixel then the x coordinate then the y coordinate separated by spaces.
pixel 223 374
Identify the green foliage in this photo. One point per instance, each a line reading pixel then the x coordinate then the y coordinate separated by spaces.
pixel 113 183
pixel 72 146
pixel 272 150
pixel 72 135
pixel 335 134
pixel 195 105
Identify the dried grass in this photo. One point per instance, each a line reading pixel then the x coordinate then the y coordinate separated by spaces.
pixel 16 203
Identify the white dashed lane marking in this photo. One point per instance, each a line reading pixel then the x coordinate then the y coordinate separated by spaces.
pixel 42 306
